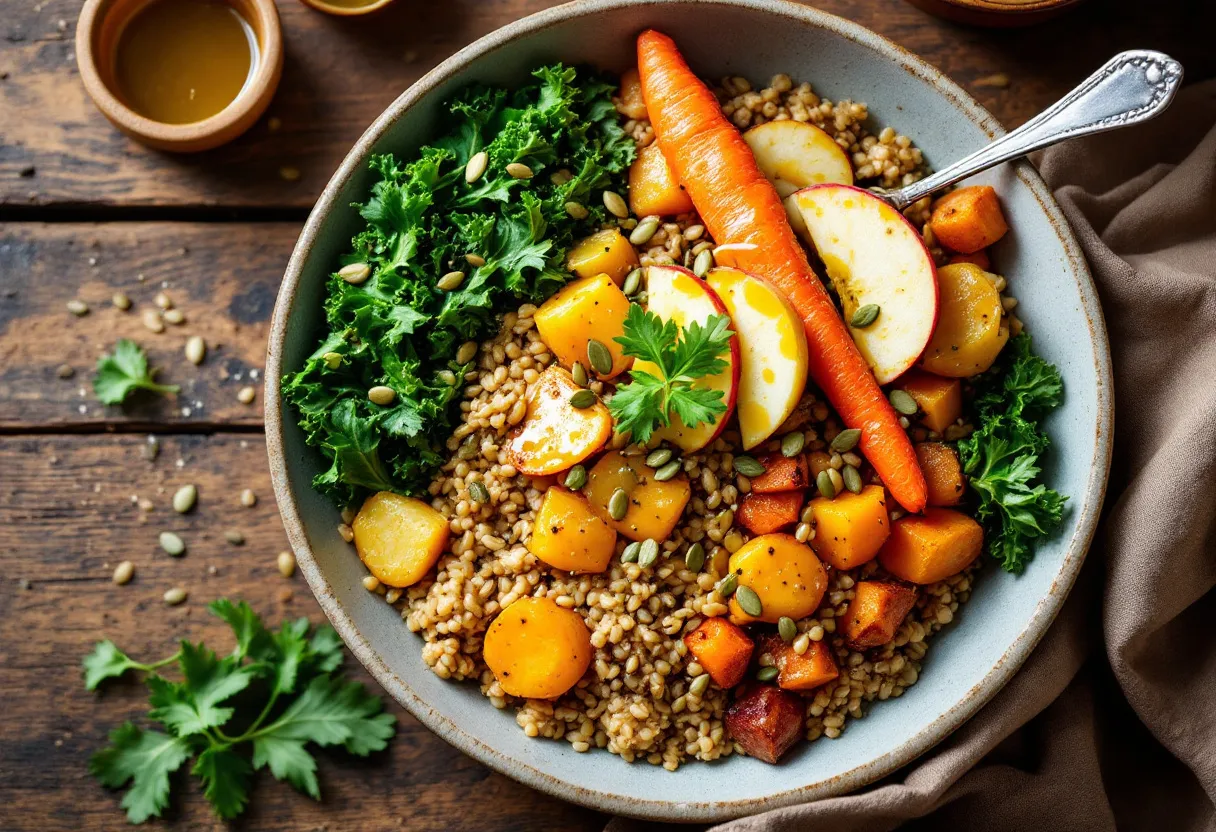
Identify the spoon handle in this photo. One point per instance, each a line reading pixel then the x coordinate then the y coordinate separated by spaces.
pixel 1133 86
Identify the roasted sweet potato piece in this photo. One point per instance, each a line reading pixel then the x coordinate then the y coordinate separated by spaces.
pixel 765 513
pixel 924 549
pixel 968 219
pixel 723 649
pixel 813 668
pixel 940 399
pixel 653 188
pixel 766 721
pixel 876 611
pixel 942 471
pixel 781 474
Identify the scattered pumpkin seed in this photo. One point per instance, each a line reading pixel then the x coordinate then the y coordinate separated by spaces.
pixel 65 371
pixel 184 498
pixel 823 482
pixel 703 263
pixel 641 297
pixel 699 685
pixel 467 352
pixel 903 403
pixel 172 544
pixel 561 177
pixel 766 674
pixel 286 564
pixel 694 558
pixel 450 282
pixel 518 170
pixel 174 596
pixel 649 553
pixel 479 493
pixel 234 537
pixel 382 395
pixel 749 601
pixel 579 372
pixel 574 209
pixel 599 356
pixel 837 480
pixel 852 479
pixel 787 629
pixel 630 554
pixel 123 573
pixel 618 504
pixel 583 399
pixel 476 167
pixel 475 260
pixel 576 478
pixel 615 204
pixel 659 458
pixel 749 466
pixel 246 395
pixel 644 231
pixel 121 301
pixel 196 350
pixel 447 377
pixel 846 440
pixel 151 321
pixel 864 316
pixel 668 471
pixel 792 444
pixel 248 498
pixel 727 586
pixel 633 282
pixel 163 300
pixel 174 316
pixel 78 307
pixel 355 273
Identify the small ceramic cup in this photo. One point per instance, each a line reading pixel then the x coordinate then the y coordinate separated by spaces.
pixel 346 11
pixel 101 23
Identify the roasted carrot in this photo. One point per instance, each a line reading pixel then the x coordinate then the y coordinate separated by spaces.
pixel 743 211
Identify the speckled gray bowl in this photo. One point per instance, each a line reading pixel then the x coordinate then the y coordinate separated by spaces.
pixel 1006 615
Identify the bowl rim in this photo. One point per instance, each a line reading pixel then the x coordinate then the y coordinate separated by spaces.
pixel 675 810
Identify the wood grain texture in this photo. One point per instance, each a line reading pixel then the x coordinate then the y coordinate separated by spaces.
pixel 57 149
pixel 66 518
pixel 224 278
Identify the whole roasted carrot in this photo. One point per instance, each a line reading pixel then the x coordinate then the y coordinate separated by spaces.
pixel 740 208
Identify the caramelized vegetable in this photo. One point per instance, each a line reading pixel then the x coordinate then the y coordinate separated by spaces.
pixel 723 649
pixel 812 669
pixel 399 538
pixel 850 529
pixel 941 399
pixel 781 474
pixel 766 721
pixel 943 474
pixel 630 95
pixel 567 534
pixel 654 507
pixel 765 513
pixel 785 574
pixel 604 252
pixel 653 188
pixel 968 219
pixel 976 258
pixel 555 435
pixel 930 548
pixel 536 649
pixel 590 307
pixel 970 333
pixel 875 613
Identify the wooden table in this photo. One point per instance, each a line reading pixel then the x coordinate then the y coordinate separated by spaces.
pixel 87 213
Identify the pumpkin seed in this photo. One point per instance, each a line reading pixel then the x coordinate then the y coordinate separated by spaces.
pixel 184 498
pixel 659 458
pixel 121 301
pixel 846 440
pixel 174 596
pixel 575 210
pixel 903 403
pixel 447 377
pixel 355 273
pixel 633 282
pixel 246 395
pixel 582 399
pixel 749 601
pixel 749 466
pixel 518 170
pixel 766 674
pixel 727 586
pixel 864 316
pixel 823 482
pixel 476 167
pixel 618 504
pixel 699 685
pixel 641 297
pixel 172 544
pixel 787 629
pixel 450 282
pixel 792 444
pixel 196 349
pixel 580 374
pixel 615 204
pixel 381 395
pixel 78 307
pixel 668 471
pixel 852 479
pixel 467 352
pixel 234 537
pixel 123 573
pixel 248 498
pixel 174 316
pixel 630 555
pixel 599 357
pixel 644 231
pixel 478 492
pixel 576 478
pixel 649 553
pixel 286 564
pixel 475 260
pixel 694 558
pixel 703 263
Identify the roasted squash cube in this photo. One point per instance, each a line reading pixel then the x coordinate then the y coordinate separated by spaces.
pixel 604 252
pixel 654 507
pixel 943 473
pixel 850 529
pixel 554 434
pixel 875 613
pixel 765 513
pixel 536 649
pixel 399 538
pixel 785 574
pixel 653 188
pixel 924 549
pixel 723 649
pixel 766 721
pixel 781 474
pixel 941 399
pixel 590 307
pixel 568 535
pixel 812 669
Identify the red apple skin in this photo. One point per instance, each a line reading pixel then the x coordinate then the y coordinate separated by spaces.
pixel 864 194
pixel 732 394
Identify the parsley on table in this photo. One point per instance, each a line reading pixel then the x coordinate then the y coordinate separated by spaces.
pixel 258 707
pixel 1001 458
pixel 123 372
pixel 682 356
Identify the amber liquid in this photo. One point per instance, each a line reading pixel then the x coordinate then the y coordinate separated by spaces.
pixel 181 61
pixel 350 4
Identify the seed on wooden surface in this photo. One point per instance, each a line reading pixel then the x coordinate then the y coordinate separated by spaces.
pixel 475 260
pixel 65 371
pixel 172 544
pixel 174 596
pixel 184 498
pixel 749 466
pixel 903 403
pixel 766 674
pixel 576 210
pixel 576 478
pixel 450 282
pixel 286 564
pixel 699 685
pixel 467 352
pixel 289 174
pixel 121 301
pixel 615 204
pixel 659 458
pixel 151 321
pixel 476 166
pixel 823 483
pixel 792 444
pixel 248 498
pixel 78 307
pixel 787 628
pixel 478 492
pixel 246 395
pixel 749 601
pixel 174 316
pixel 846 440
pixel 694 558
pixel 355 273
pixel 599 356
pixel 123 573
pixel 150 449
pixel 518 170
pixel 582 399
pixel 618 504
pixel 579 373
pixel 163 301
pixel 196 349
pixel 234 537
pixel 382 395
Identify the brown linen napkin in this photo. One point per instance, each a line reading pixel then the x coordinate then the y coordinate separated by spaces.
pixel 1111 723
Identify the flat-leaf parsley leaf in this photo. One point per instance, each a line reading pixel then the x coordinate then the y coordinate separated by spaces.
pixel 124 371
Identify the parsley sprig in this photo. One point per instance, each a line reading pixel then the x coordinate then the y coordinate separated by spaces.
pixel 682 356
pixel 258 707
pixel 124 371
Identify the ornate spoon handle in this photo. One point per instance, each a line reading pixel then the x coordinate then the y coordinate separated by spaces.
pixel 1133 86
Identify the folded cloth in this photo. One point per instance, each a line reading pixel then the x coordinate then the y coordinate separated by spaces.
pixel 1111 723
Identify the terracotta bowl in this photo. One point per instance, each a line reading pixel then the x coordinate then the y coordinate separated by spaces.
pixel 345 11
pixel 97 32
pixel 1006 615
pixel 997 13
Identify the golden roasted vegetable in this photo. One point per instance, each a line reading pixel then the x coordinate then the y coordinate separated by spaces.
pixel 970 333
pixel 723 649
pixel 781 474
pixel 943 473
pixel 654 507
pixel 536 649
pixel 875 613
pixel 568 535
pixel 924 549
pixel 653 188
pixel 399 538
pixel 766 721
pixel 630 95
pixel 812 669
pixel 850 529
pixel 968 219
pixel 767 513
pixel 941 399
pixel 604 252
pixel 556 435
pixel 590 307
pixel 784 573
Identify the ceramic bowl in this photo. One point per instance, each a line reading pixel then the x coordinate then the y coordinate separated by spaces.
pixel 996 13
pixel 1006 615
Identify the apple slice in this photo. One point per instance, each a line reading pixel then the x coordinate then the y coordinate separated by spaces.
pixel 772 351
pixel 874 256
pixel 795 155
pixel 676 294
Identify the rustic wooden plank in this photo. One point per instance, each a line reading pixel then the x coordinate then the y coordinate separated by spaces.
pixel 223 277
pixel 66 519
pixel 55 148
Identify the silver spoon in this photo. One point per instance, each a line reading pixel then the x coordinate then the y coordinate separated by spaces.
pixel 1132 87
